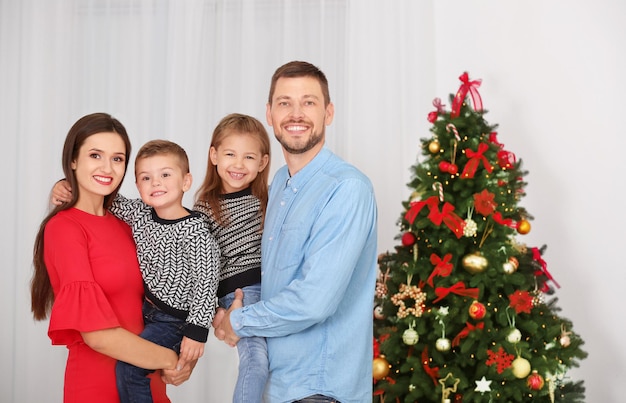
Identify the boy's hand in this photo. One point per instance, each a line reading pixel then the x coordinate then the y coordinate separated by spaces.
pixel 61 193
pixel 190 350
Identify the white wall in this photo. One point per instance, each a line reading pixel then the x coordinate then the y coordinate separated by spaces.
pixel 551 80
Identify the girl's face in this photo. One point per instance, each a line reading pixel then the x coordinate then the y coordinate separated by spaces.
pixel 238 160
pixel 100 166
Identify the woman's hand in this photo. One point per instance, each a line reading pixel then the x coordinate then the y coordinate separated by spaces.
pixel 177 377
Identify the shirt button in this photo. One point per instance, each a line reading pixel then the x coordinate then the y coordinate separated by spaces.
pixel 282 202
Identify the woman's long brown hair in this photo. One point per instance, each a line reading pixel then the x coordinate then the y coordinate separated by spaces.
pixel 41 293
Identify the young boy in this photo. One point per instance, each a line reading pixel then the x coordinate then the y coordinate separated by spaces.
pixel 178 258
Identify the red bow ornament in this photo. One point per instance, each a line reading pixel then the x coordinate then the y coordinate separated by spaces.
pixel 472 88
pixel 465 332
pixel 475 158
pixel 458 289
pixel 443 267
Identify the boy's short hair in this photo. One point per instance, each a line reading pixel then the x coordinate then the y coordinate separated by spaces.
pixel 163 147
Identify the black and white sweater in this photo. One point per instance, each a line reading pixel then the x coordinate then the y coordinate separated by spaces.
pixel 179 261
pixel 239 240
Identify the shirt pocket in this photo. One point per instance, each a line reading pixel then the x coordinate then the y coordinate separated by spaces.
pixel 291 246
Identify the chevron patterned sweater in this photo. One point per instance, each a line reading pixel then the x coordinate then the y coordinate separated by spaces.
pixel 179 261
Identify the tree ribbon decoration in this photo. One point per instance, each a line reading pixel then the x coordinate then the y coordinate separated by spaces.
pixel 432 116
pixel 443 267
pixel 493 137
pixel 417 206
pixel 447 215
pixel 497 217
pixel 544 266
pixel 506 159
pixel 475 158
pixel 472 88
pixel 432 372
pixel 458 289
pixel 466 331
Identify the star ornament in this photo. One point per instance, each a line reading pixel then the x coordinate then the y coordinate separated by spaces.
pixel 483 385
pixel 446 390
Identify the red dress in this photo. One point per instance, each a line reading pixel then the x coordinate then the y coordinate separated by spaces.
pixel 93 269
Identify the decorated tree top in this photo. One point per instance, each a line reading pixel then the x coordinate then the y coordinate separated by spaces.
pixel 465 312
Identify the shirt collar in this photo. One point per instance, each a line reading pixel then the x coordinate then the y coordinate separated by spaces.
pixel 300 179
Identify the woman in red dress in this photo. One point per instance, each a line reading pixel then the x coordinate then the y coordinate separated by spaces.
pixel 86 275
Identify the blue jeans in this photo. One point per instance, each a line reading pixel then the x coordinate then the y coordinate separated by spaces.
pixel 133 385
pixel 253 362
pixel 317 399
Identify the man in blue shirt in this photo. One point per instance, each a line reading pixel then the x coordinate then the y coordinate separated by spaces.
pixel 318 256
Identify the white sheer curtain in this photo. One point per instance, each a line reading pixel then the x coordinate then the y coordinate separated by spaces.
pixel 171 69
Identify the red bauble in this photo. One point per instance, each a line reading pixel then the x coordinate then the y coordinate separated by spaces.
pixel 453 169
pixel 477 310
pixel 535 381
pixel 506 159
pixel 444 166
pixel 408 239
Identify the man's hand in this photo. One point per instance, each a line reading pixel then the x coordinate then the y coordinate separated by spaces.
pixel 224 331
pixel 61 193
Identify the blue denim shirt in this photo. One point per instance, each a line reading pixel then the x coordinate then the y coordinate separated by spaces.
pixel 317 289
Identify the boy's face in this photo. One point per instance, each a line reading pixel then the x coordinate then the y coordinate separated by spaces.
pixel 161 181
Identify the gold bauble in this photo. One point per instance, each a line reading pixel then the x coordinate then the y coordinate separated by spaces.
pixel 523 227
pixel 520 367
pixel 434 146
pixel 380 367
pixel 475 262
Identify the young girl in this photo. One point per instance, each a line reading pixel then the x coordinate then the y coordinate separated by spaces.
pixel 86 275
pixel 233 197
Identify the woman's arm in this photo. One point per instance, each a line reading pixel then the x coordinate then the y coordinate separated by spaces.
pixel 125 346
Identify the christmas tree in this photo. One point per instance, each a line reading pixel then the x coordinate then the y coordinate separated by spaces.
pixel 464 311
